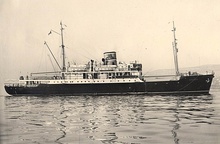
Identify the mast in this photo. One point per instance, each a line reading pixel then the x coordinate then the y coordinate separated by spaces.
pixel 62 45
pixel 175 50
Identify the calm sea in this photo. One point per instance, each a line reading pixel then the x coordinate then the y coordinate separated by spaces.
pixel 110 119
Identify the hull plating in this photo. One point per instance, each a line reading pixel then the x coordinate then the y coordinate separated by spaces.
pixel 186 85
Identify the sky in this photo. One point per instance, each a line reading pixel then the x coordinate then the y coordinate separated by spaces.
pixel 136 29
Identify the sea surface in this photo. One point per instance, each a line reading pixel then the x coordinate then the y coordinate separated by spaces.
pixel 128 119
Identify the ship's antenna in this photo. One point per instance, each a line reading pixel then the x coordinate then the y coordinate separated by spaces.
pixel 175 50
pixel 63 50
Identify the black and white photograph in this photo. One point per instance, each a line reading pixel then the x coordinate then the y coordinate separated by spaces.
pixel 110 71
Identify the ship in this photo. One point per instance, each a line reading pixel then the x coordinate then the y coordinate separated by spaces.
pixel 109 77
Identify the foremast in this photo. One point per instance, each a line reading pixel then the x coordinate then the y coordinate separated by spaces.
pixel 63 47
pixel 175 50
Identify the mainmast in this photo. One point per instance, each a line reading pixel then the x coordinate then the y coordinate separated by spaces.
pixel 175 50
pixel 63 50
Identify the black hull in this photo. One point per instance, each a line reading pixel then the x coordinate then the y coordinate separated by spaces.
pixel 186 85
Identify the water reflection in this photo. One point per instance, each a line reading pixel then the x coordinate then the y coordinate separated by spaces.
pixel 176 121
pixel 61 123
pixel 109 119
pixel 187 108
